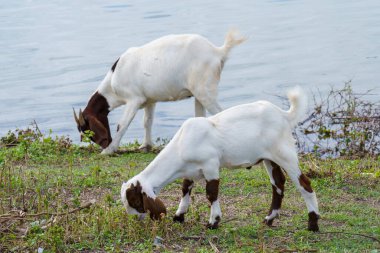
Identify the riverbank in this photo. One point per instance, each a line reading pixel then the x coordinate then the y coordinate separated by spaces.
pixel 61 197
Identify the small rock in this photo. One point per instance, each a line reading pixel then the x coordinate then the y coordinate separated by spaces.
pixel 158 241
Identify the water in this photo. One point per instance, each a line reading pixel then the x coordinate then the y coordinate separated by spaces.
pixel 53 54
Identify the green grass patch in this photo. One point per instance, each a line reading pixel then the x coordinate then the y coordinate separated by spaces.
pixel 45 183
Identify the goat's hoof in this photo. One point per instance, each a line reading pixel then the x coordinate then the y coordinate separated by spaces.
pixel 213 226
pixel 313 222
pixel 179 218
pixel 268 222
pixel 145 148
pixel 108 150
pixel 313 227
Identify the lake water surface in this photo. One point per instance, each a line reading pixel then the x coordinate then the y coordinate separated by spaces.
pixel 53 54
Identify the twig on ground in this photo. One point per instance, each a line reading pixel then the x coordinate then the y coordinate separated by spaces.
pixel 346 233
pixel 21 216
pixel 299 250
pixel 229 220
pixel 213 246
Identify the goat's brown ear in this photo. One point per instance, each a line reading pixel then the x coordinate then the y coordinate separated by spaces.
pixel 135 198
pixel 155 206
pixel 101 133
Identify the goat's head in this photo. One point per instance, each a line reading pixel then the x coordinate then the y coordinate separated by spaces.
pixel 136 201
pixel 87 121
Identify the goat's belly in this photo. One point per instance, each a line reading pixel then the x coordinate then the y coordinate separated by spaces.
pixel 242 158
pixel 169 95
pixel 241 164
pixel 195 174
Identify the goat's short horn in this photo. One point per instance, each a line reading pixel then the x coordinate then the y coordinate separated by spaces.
pixel 76 117
pixel 81 118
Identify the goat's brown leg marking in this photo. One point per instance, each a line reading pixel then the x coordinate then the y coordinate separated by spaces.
pixel 305 183
pixel 187 185
pixel 212 191
pixel 313 217
pixel 279 179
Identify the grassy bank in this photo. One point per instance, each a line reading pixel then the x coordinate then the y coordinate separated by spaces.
pixel 64 198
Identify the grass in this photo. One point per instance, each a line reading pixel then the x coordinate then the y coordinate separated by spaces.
pixel 45 183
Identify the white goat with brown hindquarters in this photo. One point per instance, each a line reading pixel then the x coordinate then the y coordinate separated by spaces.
pixel 170 68
pixel 243 135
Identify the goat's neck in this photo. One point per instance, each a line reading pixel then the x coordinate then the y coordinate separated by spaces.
pixel 98 105
pixel 164 169
pixel 105 89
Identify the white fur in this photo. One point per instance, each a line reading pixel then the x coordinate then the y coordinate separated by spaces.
pixel 170 68
pixel 239 136
pixel 273 214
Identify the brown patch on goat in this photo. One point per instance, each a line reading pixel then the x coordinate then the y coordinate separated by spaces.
pixel 279 180
pixel 186 187
pixel 114 65
pixel 155 206
pixel 278 176
pixel 305 183
pixel 313 222
pixel 95 115
pixel 212 190
pixel 135 197
pixel 143 203
pixel 256 163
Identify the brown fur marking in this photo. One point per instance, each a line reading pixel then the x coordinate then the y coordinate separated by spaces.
pixel 155 206
pixel 305 183
pixel 313 222
pixel 212 190
pixel 186 186
pixel 114 65
pixel 143 203
pixel 95 115
pixel 279 179
pixel 135 198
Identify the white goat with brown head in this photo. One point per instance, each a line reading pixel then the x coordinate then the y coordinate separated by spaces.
pixel 170 68
pixel 243 135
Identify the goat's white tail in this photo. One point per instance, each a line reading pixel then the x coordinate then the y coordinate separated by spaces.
pixel 232 39
pixel 298 105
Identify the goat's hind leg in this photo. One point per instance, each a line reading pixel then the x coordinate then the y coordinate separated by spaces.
pixel 303 184
pixel 183 207
pixel 206 94
pixel 277 179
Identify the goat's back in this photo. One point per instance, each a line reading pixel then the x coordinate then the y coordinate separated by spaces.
pixel 166 68
pixel 248 132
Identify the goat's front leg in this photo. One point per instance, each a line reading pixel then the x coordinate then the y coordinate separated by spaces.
pixel 183 207
pixel 277 179
pixel 212 190
pixel 129 114
pixel 148 121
